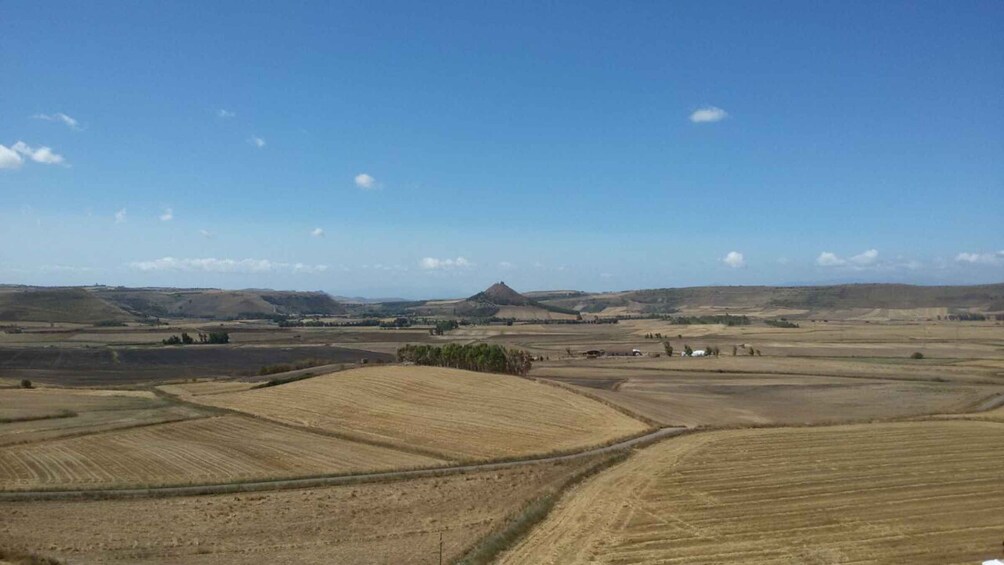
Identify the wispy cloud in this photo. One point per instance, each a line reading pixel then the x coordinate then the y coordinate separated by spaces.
pixel 213 265
pixel 10 159
pixel 225 114
pixel 317 232
pixel 206 233
pixel 120 216
pixel 167 215
pixel 59 117
pixel 42 155
pixel 992 258
pixel 828 259
pixel 734 259
pixel 365 182
pixel 506 265
pixel 256 141
pixel 708 114
pixel 431 263
pixel 865 258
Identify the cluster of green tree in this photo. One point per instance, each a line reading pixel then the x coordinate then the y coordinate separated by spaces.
pixel 261 316
pixel 727 320
pixel 482 357
pixel 782 323
pixel 443 326
pixel 966 317
pixel 656 335
pixel 185 339
pixel 315 323
pixel 399 322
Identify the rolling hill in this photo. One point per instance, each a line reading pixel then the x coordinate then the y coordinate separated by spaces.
pixel 100 303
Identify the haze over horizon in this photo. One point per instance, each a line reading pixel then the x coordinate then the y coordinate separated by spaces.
pixel 393 149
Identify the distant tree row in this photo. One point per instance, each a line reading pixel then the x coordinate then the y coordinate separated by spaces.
pixel 443 326
pixel 477 357
pixel 185 339
pixel 727 320
pixel 782 323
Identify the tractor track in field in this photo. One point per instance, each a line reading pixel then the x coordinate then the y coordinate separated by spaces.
pixel 330 480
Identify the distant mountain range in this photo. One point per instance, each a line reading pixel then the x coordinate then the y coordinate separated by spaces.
pixel 104 303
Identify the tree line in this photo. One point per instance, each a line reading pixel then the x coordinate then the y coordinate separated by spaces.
pixel 185 339
pixel 483 357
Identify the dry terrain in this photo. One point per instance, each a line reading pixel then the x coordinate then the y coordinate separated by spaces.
pixel 38 414
pixel 459 414
pixel 205 450
pixel 391 522
pixel 919 492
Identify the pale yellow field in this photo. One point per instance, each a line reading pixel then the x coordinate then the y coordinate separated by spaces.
pixel 89 411
pixel 459 414
pixel 392 522
pixel 919 493
pixel 204 450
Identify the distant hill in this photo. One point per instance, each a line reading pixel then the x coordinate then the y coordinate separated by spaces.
pixel 499 300
pixel 100 303
pixel 73 305
pixel 810 299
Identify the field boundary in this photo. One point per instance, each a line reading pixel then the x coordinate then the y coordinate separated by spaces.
pixel 331 480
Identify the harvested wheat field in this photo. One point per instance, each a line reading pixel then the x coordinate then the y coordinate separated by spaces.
pixel 48 413
pixel 459 414
pixel 920 492
pixel 391 522
pixel 205 450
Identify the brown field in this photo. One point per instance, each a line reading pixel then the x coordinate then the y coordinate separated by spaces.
pixel 391 522
pixel 82 411
pixel 459 414
pixel 205 450
pixel 922 492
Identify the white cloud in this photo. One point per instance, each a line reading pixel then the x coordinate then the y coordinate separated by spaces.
pixel 256 141
pixel 317 232
pixel 41 155
pixel 365 181
pixel 120 216
pixel 734 259
pixel 10 159
pixel 59 117
pixel 506 265
pixel 167 216
pixel 708 114
pixel 431 263
pixel 981 258
pixel 225 114
pixel 206 233
pixel 865 258
pixel 213 265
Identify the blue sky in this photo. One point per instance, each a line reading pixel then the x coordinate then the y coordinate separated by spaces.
pixel 428 149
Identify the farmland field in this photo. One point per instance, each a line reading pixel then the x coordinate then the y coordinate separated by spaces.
pixel 204 450
pixel 918 492
pixel 458 414
pixel 107 366
pixel 390 522
pixel 49 413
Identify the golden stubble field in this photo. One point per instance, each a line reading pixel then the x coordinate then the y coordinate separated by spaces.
pixel 210 450
pixel 915 492
pixel 390 522
pixel 460 415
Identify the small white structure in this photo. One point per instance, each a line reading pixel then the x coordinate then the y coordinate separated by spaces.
pixel 699 353
pixel 636 352
pixel 993 562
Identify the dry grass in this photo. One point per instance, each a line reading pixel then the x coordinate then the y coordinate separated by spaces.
pixel 919 492
pixel 94 411
pixel 394 522
pixel 460 414
pixel 207 450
